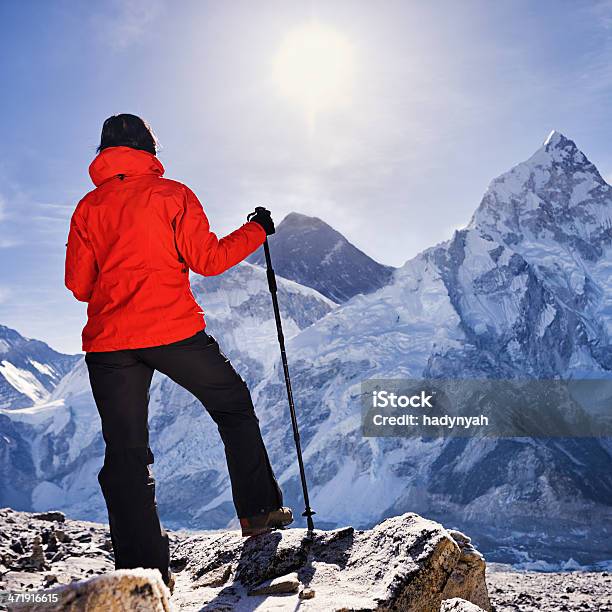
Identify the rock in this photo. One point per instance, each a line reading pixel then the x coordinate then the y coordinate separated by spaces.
pixel 50 579
pixel 283 584
pixel 37 558
pixel 107 545
pixel 215 578
pixel 64 578
pixel 467 579
pixel 62 536
pixel 52 543
pixel 459 537
pixel 137 590
pixel 59 517
pixel 17 546
pixel 403 564
pixel 456 604
pixel 306 593
pixel 83 537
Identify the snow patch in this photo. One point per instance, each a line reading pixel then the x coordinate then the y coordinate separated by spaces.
pixel 23 381
pixel 43 369
pixel 47 496
pixel 552 137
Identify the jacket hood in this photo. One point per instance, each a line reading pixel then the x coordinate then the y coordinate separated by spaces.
pixel 123 160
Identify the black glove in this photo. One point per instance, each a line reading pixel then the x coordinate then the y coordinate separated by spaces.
pixel 263 217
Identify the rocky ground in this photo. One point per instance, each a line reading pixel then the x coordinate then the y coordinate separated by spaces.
pixel 510 590
pixel 42 551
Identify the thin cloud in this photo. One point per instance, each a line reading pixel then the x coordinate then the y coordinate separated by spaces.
pixel 602 11
pixel 7 243
pixel 60 208
pixel 5 294
pixel 127 23
pixel 46 224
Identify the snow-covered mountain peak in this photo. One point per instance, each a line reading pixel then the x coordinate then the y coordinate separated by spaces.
pixel 299 220
pixel 558 148
pixel 556 196
pixel 309 251
pixel 557 140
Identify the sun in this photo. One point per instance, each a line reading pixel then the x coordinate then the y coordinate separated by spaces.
pixel 314 67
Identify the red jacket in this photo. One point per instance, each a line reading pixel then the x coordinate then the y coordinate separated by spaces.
pixel 132 242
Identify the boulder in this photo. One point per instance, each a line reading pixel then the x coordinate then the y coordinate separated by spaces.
pixel 404 563
pixel 137 590
pixel 467 579
pixel 283 584
pixel 456 604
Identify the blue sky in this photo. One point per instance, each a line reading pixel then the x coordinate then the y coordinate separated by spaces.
pixel 441 97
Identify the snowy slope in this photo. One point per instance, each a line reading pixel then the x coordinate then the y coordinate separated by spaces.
pixel 238 310
pixel 310 252
pixel 29 369
pixel 50 453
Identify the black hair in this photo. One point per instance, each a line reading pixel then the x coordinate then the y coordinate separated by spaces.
pixel 127 130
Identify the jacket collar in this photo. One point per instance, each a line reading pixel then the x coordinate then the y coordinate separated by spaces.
pixel 124 161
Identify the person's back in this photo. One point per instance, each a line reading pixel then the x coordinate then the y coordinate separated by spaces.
pixel 132 242
pixel 143 233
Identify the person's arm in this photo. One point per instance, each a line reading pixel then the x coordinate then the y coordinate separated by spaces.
pixel 202 251
pixel 81 267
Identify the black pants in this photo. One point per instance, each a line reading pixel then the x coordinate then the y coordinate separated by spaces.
pixel 120 383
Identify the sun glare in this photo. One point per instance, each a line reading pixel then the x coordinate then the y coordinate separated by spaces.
pixel 314 67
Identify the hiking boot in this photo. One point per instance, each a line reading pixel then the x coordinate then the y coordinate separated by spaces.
pixel 264 523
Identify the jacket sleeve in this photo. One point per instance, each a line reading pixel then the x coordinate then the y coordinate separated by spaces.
pixel 202 251
pixel 81 267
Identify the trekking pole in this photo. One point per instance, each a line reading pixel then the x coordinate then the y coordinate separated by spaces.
pixel 308 512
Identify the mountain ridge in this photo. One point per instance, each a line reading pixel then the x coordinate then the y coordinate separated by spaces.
pixel 29 369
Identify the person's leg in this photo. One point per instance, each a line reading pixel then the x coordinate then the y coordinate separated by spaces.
pixel 120 385
pixel 198 365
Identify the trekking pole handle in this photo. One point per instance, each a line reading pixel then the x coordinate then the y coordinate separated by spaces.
pixel 269 271
pixel 258 209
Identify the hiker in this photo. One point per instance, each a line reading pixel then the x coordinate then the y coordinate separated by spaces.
pixel 132 242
